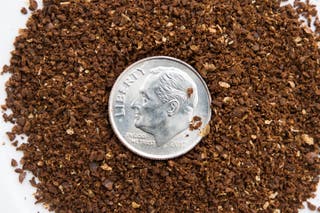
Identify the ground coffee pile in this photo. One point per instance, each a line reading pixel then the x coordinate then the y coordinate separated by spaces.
pixel 263 72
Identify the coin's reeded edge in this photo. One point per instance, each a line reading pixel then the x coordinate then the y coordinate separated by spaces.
pixel 112 121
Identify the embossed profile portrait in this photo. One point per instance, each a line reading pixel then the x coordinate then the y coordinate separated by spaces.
pixel 164 106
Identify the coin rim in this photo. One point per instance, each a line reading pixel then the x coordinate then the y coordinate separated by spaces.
pixel 116 130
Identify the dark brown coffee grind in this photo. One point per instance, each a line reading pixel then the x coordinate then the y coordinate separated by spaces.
pixel 261 66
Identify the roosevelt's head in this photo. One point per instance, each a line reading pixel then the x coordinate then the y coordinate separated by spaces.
pixel 164 106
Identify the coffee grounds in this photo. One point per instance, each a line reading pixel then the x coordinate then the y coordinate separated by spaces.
pixel 195 123
pixel 18 170
pixel 189 92
pixel 307 10
pixel 22 176
pixel 14 163
pixel 311 206
pixel 15 143
pixel 262 69
pixel 24 11
pixel 33 5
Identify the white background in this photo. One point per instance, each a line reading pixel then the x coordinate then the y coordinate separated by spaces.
pixel 16 197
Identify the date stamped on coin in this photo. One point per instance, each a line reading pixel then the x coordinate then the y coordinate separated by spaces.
pixel 153 105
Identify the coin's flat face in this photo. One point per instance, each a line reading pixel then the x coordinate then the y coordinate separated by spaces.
pixel 159 106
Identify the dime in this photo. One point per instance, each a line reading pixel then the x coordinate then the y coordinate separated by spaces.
pixel 159 107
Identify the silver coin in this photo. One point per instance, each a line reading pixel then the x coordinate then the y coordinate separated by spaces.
pixel 159 107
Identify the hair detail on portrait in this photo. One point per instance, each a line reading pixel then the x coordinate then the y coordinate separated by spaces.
pixel 174 85
pixel 164 106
